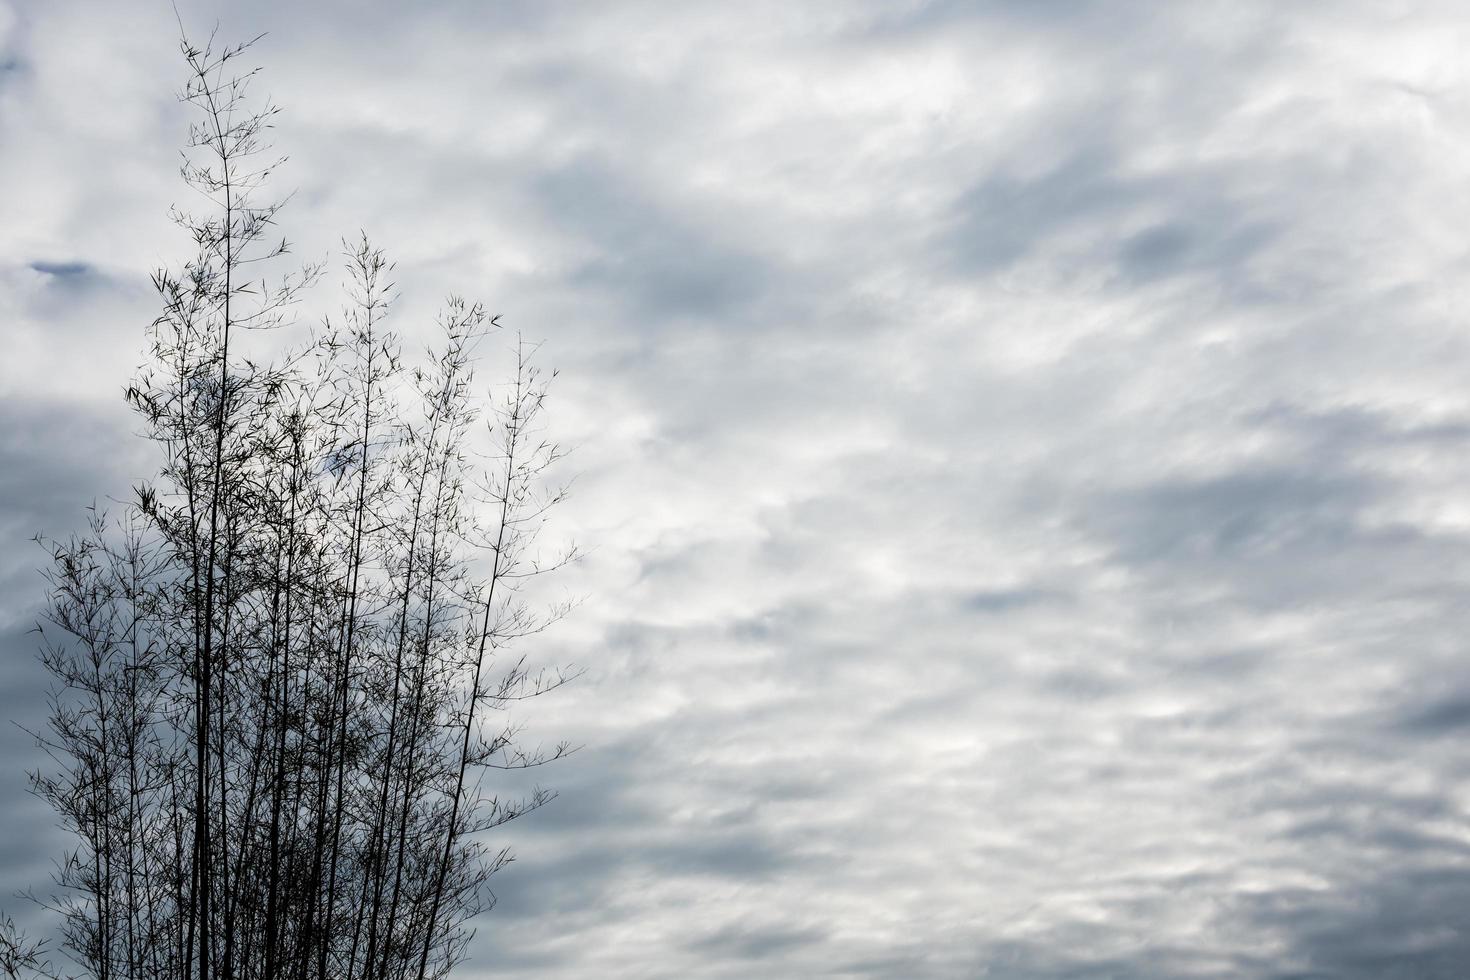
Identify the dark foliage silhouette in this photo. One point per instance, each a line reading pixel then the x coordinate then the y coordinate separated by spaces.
pixel 282 672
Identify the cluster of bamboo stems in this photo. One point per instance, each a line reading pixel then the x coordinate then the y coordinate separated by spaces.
pixel 282 671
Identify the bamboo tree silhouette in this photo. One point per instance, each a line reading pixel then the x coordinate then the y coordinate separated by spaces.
pixel 275 668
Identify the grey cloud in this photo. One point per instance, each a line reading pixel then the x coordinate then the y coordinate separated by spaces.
pixel 31 842
pixel 63 270
pixel 1264 515
pixel 1355 428
pixel 1002 218
pixel 755 943
pixel 1440 718
pixel 1061 16
pixel 663 266
pixel 55 460
pixel 1006 600
pixel 1021 447
pixel 1191 245
pixel 1209 227
pixel 1403 922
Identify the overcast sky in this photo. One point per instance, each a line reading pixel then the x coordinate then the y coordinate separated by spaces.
pixel 1024 451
